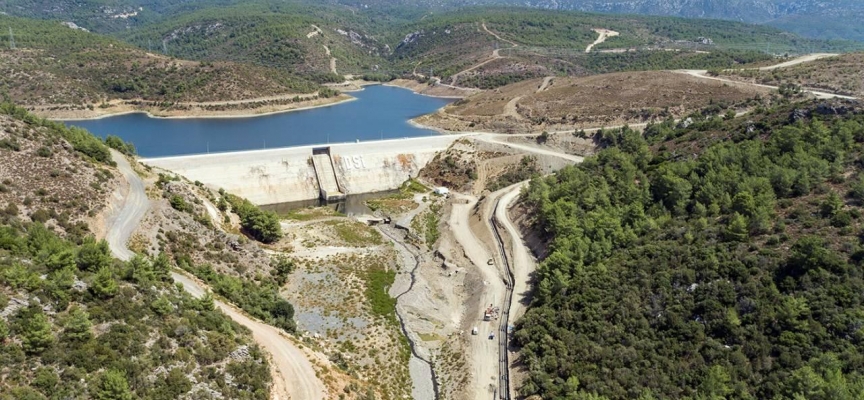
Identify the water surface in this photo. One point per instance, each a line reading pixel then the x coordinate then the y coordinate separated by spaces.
pixel 380 112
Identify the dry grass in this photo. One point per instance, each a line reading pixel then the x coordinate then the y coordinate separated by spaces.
pixel 843 75
pixel 601 100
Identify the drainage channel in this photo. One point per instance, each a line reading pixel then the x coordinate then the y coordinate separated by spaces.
pixel 503 328
pixel 414 354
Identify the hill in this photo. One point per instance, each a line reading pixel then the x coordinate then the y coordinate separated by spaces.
pixel 841 74
pixel 717 260
pixel 811 18
pixel 60 69
pixel 564 103
pixel 77 323
pixel 322 43
pixel 284 37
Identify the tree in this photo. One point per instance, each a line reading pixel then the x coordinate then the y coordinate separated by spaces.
pixel 104 286
pixel 93 256
pixel 36 335
pixel 77 329
pixel 112 385
pixel 282 267
pixel 737 229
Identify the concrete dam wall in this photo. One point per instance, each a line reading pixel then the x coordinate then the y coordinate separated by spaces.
pixel 288 174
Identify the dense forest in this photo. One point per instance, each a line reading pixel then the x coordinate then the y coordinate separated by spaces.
pixel 715 258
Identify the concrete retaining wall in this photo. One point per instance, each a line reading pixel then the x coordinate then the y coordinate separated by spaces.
pixel 286 175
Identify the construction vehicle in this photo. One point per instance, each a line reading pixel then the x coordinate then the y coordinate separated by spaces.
pixel 490 313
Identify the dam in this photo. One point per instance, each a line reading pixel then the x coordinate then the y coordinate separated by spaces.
pixel 327 172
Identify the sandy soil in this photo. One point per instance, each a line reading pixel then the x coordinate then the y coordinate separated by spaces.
pixel 234 109
pixel 450 92
pixel 482 352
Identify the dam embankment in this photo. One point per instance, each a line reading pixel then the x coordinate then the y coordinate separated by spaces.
pixel 288 174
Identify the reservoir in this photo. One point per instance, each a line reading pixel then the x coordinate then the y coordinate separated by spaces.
pixel 380 112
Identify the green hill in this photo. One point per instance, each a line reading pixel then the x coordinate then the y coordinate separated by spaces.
pixel 77 323
pixel 717 260
pixel 53 64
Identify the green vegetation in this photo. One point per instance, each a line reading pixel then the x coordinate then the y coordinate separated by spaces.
pixel 262 225
pixel 378 282
pixel 260 300
pixel 431 219
pixel 61 292
pixel 526 169
pixel 720 260
pixel 355 233
pixel 78 69
pixel 118 144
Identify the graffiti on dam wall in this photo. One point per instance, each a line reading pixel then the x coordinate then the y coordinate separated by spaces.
pixel 406 162
pixel 353 162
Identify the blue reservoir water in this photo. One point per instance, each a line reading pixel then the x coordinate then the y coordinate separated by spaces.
pixel 379 112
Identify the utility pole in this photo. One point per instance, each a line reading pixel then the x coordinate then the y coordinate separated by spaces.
pixel 164 47
pixel 11 39
pixel 149 46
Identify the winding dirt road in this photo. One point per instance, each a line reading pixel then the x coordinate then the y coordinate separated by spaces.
pixel 132 208
pixel 701 73
pixel 604 34
pixel 293 375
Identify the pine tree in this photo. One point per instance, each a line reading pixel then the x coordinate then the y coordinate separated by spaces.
pixel 78 326
pixel 113 386
pixel 36 334
pixel 104 285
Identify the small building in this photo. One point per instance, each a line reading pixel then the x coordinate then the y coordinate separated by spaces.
pixel 442 191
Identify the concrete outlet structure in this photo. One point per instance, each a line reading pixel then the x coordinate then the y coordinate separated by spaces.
pixel 310 172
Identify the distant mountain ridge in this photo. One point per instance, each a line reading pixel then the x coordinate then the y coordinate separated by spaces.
pixel 839 19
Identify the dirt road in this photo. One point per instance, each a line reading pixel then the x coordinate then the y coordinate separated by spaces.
pixel 483 352
pixel 496 54
pixel 545 85
pixel 132 208
pixel 799 60
pixel 701 73
pixel 512 43
pixel 501 139
pixel 522 262
pixel 332 59
pixel 604 34
pixel 294 376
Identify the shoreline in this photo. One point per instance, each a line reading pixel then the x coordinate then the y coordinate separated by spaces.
pixel 341 99
pixel 404 84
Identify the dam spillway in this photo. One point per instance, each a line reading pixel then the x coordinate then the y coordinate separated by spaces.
pixel 325 174
pixel 289 174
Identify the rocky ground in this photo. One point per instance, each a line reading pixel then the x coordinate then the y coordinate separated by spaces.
pixel 42 178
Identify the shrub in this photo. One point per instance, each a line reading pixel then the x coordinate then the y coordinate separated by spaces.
pixel 44 152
